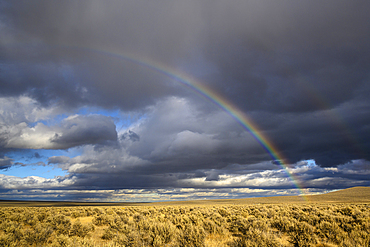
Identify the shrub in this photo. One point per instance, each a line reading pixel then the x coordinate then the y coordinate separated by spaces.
pixel 13 230
pixel 256 238
pixel 163 233
pixel 80 230
pixel 39 235
pixel 302 235
pixel 283 224
pixel 108 234
pixel 101 220
pixel 192 236
pixel 132 239
pixel 60 223
pixel 248 225
pixel 212 228
pixel 331 231
pixel 61 241
pixel 6 240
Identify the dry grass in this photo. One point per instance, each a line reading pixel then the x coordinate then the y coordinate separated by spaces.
pixel 217 240
pixel 340 218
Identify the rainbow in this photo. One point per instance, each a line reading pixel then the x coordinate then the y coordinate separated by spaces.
pixel 212 96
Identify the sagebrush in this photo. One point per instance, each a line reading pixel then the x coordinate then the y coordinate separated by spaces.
pixel 228 225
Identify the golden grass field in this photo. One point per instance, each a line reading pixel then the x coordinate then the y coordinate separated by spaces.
pixel 340 218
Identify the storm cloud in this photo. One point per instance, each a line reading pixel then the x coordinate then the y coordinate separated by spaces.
pixel 99 91
pixel 73 131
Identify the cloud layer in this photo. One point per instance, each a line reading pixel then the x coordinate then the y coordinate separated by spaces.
pixel 88 81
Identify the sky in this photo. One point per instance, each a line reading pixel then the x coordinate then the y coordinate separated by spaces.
pixel 160 100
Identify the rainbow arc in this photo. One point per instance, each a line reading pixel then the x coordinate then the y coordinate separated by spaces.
pixel 211 95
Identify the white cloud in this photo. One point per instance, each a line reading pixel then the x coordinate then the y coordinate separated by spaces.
pixel 148 195
pixel 23 109
pixel 38 137
pixel 72 131
pixel 255 180
pixel 188 141
pixel 104 160
pixel 34 182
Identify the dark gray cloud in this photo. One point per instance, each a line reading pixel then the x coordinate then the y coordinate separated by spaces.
pixel 80 130
pixel 37 155
pixel 71 36
pixel 156 161
pixel 230 184
pixel 130 135
pixel 298 69
pixel 277 57
pixel 5 163
pixel 308 175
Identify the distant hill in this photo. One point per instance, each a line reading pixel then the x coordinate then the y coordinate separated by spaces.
pixel 355 194
pixel 350 195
